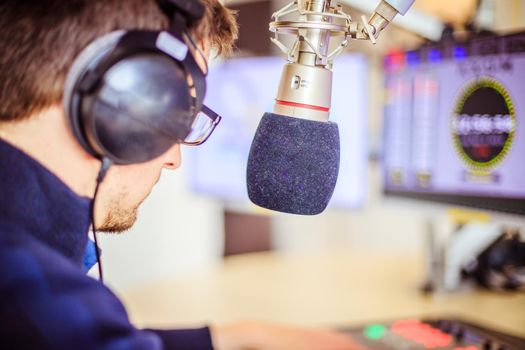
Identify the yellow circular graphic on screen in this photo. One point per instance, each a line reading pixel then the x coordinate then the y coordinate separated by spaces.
pixel 483 124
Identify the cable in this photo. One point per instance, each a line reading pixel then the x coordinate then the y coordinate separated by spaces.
pixel 104 167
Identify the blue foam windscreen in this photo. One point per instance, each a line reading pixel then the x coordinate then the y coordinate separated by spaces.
pixel 293 164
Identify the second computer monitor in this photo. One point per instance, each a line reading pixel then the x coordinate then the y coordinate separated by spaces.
pixel 455 124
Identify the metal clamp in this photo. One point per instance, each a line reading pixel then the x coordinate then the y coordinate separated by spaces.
pixel 369 30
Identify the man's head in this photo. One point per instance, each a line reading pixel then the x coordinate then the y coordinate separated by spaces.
pixel 39 42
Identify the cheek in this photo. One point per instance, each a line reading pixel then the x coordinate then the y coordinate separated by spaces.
pixel 145 176
pixel 136 179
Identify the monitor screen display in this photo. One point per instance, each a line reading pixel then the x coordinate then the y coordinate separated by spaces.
pixel 241 91
pixel 454 126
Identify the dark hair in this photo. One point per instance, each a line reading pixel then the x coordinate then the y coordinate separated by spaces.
pixel 39 40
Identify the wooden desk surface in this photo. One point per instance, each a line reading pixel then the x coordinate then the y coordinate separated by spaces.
pixel 334 289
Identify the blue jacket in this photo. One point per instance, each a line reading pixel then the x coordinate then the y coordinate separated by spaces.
pixel 47 302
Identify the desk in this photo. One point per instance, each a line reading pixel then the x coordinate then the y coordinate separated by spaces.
pixel 341 288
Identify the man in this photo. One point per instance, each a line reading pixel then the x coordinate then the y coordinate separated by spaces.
pixel 47 180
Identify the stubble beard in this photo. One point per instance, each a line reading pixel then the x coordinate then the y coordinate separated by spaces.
pixel 119 219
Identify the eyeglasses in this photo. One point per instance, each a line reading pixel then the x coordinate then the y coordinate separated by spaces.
pixel 202 127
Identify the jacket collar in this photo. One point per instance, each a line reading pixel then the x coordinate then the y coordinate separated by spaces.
pixel 34 201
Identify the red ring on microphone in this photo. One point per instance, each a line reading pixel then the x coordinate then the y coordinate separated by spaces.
pixel 300 105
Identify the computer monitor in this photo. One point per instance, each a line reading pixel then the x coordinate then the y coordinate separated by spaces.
pixel 454 128
pixel 242 90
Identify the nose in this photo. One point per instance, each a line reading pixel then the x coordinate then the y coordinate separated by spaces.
pixel 172 158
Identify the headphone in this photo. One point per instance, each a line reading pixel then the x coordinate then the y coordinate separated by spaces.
pixel 127 96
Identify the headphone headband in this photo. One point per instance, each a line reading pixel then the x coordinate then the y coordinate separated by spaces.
pixel 192 10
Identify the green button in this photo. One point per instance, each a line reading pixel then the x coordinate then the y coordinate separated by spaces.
pixel 375 331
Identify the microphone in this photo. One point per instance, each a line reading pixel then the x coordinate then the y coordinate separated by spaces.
pixel 294 157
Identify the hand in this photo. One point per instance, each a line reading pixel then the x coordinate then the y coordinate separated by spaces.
pixel 265 336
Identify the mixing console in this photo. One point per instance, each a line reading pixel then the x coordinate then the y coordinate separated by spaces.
pixel 413 334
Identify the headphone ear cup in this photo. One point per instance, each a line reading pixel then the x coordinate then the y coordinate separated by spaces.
pixel 91 55
pixel 139 110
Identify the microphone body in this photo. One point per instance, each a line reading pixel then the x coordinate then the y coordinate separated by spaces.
pixel 294 157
